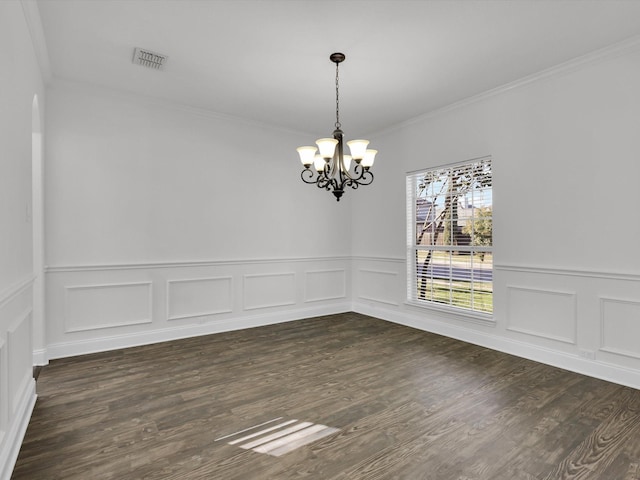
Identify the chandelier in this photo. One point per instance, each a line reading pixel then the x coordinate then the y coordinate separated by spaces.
pixel 332 166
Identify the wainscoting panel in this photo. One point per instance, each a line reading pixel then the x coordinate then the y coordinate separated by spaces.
pixel 378 285
pixel 571 319
pixel 92 307
pixel 199 297
pixel 17 387
pixel 620 327
pixel 549 314
pixel 322 285
pixel 269 290
pixel 20 358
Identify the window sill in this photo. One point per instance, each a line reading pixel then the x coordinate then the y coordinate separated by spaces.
pixel 455 313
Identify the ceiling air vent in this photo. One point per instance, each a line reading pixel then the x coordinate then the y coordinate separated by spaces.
pixel 149 59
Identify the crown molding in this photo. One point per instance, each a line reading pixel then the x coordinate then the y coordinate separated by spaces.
pixel 34 24
pixel 607 53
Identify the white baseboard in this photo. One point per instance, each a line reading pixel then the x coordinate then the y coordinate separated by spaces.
pixel 597 369
pixel 114 342
pixel 13 439
pixel 40 357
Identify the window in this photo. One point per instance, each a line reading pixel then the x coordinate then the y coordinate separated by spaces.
pixel 449 236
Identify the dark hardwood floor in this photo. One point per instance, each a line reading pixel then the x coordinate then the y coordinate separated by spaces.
pixel 408 405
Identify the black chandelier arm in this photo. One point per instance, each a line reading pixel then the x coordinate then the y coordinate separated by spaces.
pixel 320 180
pixel 361 176
pixel 344 180
pixel 310 177
pixel 324 182
pixel 328 169
pixel 352 184
pixel 365 179
pixel 344 173
pixel 364 175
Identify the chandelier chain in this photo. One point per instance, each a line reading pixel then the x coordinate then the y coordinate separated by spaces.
pixel 338 125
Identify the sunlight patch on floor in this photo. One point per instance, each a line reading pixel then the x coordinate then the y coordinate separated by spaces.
pixel 276 439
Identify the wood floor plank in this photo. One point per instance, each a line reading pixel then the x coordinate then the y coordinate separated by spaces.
pixel 598 450
pixel 407 405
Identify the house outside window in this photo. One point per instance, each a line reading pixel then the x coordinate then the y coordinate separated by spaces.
pixel 450 237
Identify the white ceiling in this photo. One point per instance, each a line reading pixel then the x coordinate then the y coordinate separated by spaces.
pixel 267 60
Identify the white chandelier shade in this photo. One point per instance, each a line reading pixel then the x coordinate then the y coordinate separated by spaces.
pixel 366 156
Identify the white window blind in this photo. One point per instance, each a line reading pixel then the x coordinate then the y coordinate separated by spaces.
pixel 450 236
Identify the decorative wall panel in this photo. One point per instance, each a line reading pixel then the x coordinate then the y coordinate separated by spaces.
pixel 620 326
pixel 548 314
pixel 269 290
pixel 199 297
pixel 378 286
pixel 19 359
pixel 324 285
pixel 91 307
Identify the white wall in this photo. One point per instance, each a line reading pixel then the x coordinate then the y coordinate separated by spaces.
pixel 163 222
pixel 20 80
pixel 566 167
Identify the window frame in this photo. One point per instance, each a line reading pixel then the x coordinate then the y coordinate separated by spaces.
pixel 413 248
